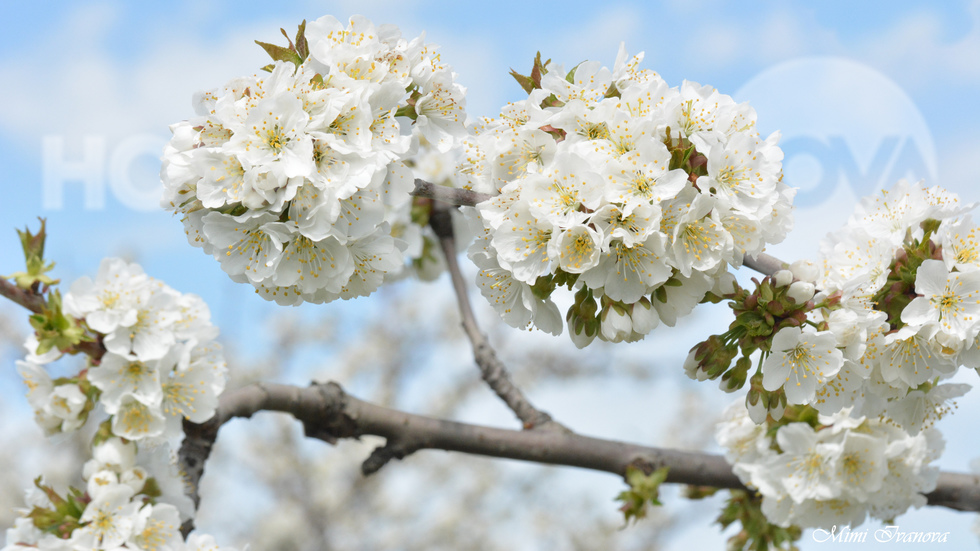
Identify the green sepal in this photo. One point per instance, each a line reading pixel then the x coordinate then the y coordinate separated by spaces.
pixel 612 91
pixel 103 433
pixel 698 492
pixel 407 111
pixel 543 286
pixel 151 488
pixel 644 489
pixel 563 278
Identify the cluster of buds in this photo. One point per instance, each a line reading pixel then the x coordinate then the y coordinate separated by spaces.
pixel 899 287
pixel 778 301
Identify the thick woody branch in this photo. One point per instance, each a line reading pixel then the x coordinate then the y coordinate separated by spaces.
pixel 329 413
pixel 492 369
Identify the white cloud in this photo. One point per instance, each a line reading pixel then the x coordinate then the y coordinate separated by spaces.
pixel 917 52
pixel 81 89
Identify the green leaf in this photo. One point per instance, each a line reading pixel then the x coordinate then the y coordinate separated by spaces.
pixel 302 46
pixel 280 53
pixel 525 82
pixel 644 490
pixel 757 533
pixel 33 247
pixel 538 70
pixel 532 82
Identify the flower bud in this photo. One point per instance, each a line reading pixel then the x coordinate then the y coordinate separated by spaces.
pixel 692 367
pixel 782 278
pixel 776 410
pixel 800 291
pixel 725 284
pixel 757 411
pixel 616 325
pixel 583 335
pixel 644 317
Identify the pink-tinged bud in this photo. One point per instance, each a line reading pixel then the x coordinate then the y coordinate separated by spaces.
pixel 775 308
pixel 752 301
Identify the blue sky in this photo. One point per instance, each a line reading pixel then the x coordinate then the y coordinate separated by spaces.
pixel 850 84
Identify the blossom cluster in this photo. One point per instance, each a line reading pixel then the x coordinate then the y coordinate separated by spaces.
pixel 129 502
pixel 614 182
pixel 837 471
pixel 898 312
pixel 294 180
pixel 859 344
pixel 161 363
pixel 160 366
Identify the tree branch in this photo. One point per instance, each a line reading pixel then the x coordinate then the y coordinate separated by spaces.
pixel 329 413
pixel 452 196
pixel 492 369
pixel 28 299
pixel 764 264
pixel 34 301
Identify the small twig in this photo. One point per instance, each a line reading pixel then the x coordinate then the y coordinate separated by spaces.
pixel 492 369
pixel 26 298
pixel 393 449
pixel 452 196
pixel 34 302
